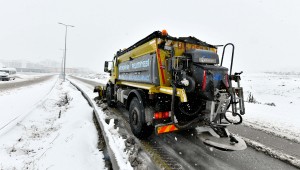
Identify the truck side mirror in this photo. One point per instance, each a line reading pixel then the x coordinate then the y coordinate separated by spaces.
pixel 106 66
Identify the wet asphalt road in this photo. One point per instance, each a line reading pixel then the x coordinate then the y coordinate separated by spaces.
pixel 189 152
pixel 186 149
pixel 192 153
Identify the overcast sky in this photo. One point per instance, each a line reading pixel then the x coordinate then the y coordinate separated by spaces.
pixel 266 32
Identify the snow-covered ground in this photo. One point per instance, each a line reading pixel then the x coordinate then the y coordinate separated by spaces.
pixel 57 133
pixel 277 99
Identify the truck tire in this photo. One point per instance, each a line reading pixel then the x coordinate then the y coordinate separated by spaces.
pixel 109 96
pixel 137 120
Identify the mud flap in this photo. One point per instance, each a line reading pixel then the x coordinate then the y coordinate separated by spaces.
pixel 230 143
pixel 165 128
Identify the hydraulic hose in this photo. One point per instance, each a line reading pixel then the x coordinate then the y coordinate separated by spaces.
pixel 172 111
pixel 235 123
pixel 187 113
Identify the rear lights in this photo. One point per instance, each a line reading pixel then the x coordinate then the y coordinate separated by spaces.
pixel 162 115
pixel 204 80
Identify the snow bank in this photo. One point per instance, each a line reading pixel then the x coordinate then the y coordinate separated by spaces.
pixel 273 152
pixel 115 141
pixel 58 134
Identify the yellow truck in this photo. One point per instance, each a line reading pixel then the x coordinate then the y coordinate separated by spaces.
pixel 170 84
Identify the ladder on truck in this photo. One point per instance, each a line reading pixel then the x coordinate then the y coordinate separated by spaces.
pixel 237 96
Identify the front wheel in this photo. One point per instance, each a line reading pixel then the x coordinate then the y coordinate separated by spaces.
pixel 109 96
pixel 137 120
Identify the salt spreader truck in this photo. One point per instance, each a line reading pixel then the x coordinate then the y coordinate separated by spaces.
pixel 170 84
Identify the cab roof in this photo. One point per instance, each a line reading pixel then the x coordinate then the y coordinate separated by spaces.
pixel 158 34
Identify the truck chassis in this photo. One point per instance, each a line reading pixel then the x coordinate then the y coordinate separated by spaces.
pixel 171 84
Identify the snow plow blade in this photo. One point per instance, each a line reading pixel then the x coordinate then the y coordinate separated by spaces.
pixel 100 90
pixel 230 143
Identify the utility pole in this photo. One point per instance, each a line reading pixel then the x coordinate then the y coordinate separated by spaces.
pixel 62 63
pixel 65 54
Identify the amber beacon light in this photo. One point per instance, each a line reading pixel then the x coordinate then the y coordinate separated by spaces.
pixel 164 33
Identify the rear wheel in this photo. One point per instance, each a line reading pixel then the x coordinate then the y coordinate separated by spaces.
pixel 137 119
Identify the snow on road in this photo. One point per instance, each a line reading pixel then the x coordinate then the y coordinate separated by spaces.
pixel 99 78
pixel 59 132
pixel 277 98
pixel 20 77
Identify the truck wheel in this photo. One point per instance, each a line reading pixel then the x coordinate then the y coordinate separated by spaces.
pixel 137 120
pixel 109 97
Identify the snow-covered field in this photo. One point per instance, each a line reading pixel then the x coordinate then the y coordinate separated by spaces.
pixel 58 132
pixel 276 102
